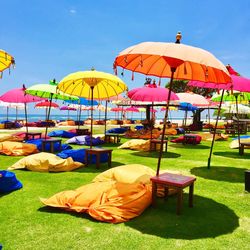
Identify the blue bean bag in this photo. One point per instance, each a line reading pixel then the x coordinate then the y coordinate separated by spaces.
pixel 95 141
pixel 61 133
pixel 79 155
pixel 8 182
pixel 117 130
pixel 38 143
pixel 139 127
pixel 242 137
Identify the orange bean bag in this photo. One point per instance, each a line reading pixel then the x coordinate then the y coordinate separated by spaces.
pixel 17 148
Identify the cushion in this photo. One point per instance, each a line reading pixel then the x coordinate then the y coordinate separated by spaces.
pixel 79 155
pixel 8 182
pixel 61 133
pixel 38 143
pixel 117 130
pixel 136 144
pixel 17 148
pixel 9 137
pixel 46 162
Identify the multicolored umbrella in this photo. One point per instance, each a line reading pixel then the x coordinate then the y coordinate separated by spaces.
pixel 173 60
pixel 92 85
pixel 6 60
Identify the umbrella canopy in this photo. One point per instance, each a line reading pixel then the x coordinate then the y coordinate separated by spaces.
pixel 233 109
pixel 6 60
pixel 194 99
pixel 46 104
pixel 157 59
pixel 172 60
pixel 132 109
pixel 82 101
pixel 92 85
pixel 148 94
pixel 229 96
pixel 19 96
pixel 67 108
pixel 8 105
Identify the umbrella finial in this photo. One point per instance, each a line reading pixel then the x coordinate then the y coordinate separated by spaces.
pixel 53 82
pixel 178 37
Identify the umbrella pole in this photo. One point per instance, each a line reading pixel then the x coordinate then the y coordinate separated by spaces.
pixel 105 119
pixel 91 123
pixel 16 113
pixel 165 121
pixel 26 117
pixel 151 127
pixel 216 123
pixel 79 116
pixel 7 118
pixel 238 120
pixel 50 101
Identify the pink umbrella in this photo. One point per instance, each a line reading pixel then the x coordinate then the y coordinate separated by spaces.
pixel 194 99
pixel 132 109
pixel 68 108
pixel 19 96
pixel 46 105
pixel 117 109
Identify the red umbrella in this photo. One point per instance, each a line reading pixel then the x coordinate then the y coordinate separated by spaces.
pixel 19 96
pixel 46 105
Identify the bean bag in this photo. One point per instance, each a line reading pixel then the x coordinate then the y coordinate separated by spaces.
pixel 66 123
pixel 207 136
pixel 80 140
pixel 22 136
pixel 61 133
pixel 79 155
pixel 8 182
pixel 235 143
pixel 139 127
pixel 136 144
pixel 9 137
pixel 181 140
pixel 38 143
pixel 17 148
pixel 117 130
pixel 46 162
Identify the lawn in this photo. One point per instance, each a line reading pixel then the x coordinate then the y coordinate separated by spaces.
pixel 220 218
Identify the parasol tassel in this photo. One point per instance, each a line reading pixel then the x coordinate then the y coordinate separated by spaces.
pixel 159 82
pixel 132 76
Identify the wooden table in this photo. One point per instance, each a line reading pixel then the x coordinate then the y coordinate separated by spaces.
pixel 51 143
pixel 155 142
pixel 178 182
pixel 242 146
pixel 97 152
pixel 189 139
pixel 82 131
pixel 116 137
pixel 31 135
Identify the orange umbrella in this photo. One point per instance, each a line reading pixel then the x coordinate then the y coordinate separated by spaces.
pixel 173 60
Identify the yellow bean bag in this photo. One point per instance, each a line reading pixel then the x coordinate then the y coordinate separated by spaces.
pixel 136 144
pixel 207 136
pixel 17 148
pixel 9 137
pixel 66 123
pixel 46 162
pixel 235 143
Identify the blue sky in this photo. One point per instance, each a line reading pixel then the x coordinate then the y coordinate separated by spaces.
pixel 50 39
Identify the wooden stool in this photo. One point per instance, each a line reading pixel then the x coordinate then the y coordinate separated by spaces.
pixel 178 182
pixel 51 143
pixel 116 137
pixel 155 142
pixel 82 131
pixel 97 152
pixel 31 135
pixel 242 146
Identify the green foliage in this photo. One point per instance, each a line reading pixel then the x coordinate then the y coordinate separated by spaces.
pixel 219 219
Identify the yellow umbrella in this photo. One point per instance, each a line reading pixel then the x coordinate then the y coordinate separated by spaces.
pixel 6 61
pixel 92 85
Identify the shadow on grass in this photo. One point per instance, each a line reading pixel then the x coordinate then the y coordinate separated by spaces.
pixel 206 219
pixel 156 154
pixel 92 167
pixel 218 173
pixel 198 146
pixel 233 154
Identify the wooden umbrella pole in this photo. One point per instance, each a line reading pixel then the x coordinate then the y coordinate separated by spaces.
pixel 165 121
pixel 105 119
pixel 50 101
pixel 216 123
pixel 91 123
pixel 238 120
pixel 79 116
pixel 26 117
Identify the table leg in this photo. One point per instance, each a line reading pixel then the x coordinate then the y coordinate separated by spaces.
pixel 52 146
pixel 97 160
pixel 154 193
pixel 86 158
pixel 43 147
pixel 191 193
pixel 109 159
pixel 166 193
pixel 179 201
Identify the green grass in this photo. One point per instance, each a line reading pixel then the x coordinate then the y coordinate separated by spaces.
pixel 220 218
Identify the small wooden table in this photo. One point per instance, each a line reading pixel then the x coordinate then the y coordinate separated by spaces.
pixel 108 137
pixel 51 143
pixel 242 146
pixel 97 152
pixel 32 135
pixel 155 142
pixel 178 182
pixel 189 139
pixel 82 131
